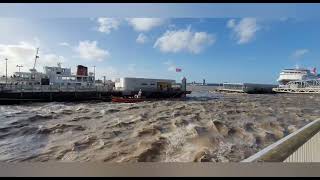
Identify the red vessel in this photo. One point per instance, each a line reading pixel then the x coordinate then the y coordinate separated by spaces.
pixel 127 100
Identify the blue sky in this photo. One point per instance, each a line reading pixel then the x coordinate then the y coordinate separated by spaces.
pixel 236 43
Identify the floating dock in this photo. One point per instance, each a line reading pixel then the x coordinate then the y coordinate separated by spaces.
pixel 250 88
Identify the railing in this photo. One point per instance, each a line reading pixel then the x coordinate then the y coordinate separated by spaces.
pixel 302 145
pixel 51 88
pixel 308 152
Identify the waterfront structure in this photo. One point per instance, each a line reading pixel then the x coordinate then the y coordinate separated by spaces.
pixel 246 88
pixel 58 83
pixel 131 84
pixel 303 86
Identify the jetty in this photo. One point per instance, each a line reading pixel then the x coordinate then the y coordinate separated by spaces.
pixel 47 93
pixel 250 88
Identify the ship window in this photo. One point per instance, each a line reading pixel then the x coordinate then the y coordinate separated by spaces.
pixel 144 84
pixel 58 72
pixel 152 84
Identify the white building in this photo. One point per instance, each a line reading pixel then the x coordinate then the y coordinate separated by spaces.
pixel 128 85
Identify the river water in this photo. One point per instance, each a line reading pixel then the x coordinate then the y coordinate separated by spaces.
pixel 207 126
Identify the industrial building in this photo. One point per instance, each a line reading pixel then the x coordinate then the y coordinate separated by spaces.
pixel 129 85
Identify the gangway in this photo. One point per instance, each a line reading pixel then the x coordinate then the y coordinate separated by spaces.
pixel 303 86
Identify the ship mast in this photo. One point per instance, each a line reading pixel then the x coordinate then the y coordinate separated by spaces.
pixel 35 59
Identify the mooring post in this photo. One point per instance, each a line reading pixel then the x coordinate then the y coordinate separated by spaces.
pixel 184 86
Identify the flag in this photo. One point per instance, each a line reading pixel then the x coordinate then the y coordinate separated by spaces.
pixel 178 70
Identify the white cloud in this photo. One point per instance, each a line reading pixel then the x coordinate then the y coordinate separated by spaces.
pixel 23 53
pixel 90 51
pixel 299 53
pixel 64 44
pixel 244 30
pixel 106 25
pixel 231 23
pixel 184 40
pixel 142 38
pixel 145 24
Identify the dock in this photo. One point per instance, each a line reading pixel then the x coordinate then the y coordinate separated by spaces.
pixel 46 93
pixel 250 88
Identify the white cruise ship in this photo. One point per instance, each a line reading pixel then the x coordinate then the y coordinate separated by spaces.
pixel 296 74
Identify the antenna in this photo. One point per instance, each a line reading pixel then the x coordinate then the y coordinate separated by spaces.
pixel 35 59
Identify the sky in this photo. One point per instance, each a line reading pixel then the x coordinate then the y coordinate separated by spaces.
pixel 219 42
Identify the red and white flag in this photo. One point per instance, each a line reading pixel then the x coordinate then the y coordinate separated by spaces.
pixel 178 70
pixel 314 70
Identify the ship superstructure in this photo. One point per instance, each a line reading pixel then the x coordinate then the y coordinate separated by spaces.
pixel 296 74
pixel 298 80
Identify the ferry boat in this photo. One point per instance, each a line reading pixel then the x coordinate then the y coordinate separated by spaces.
pixel 296 74
pixel 53 75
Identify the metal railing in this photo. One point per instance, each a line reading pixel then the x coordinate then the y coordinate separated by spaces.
pixel 302 145
pixel 52 88
pixel 303 86
pixel 308 152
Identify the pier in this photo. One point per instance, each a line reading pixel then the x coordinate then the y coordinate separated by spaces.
pixel 23 93
pixel 246 88
pixel 47 93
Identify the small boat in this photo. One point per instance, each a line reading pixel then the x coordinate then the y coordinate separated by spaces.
pixel 127 100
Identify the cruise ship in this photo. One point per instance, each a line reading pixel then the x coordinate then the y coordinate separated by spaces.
pixel 296 74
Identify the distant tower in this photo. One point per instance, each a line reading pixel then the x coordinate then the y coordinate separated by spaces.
pixel 204 82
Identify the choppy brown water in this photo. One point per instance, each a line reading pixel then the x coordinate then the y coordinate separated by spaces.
pixel 205 127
